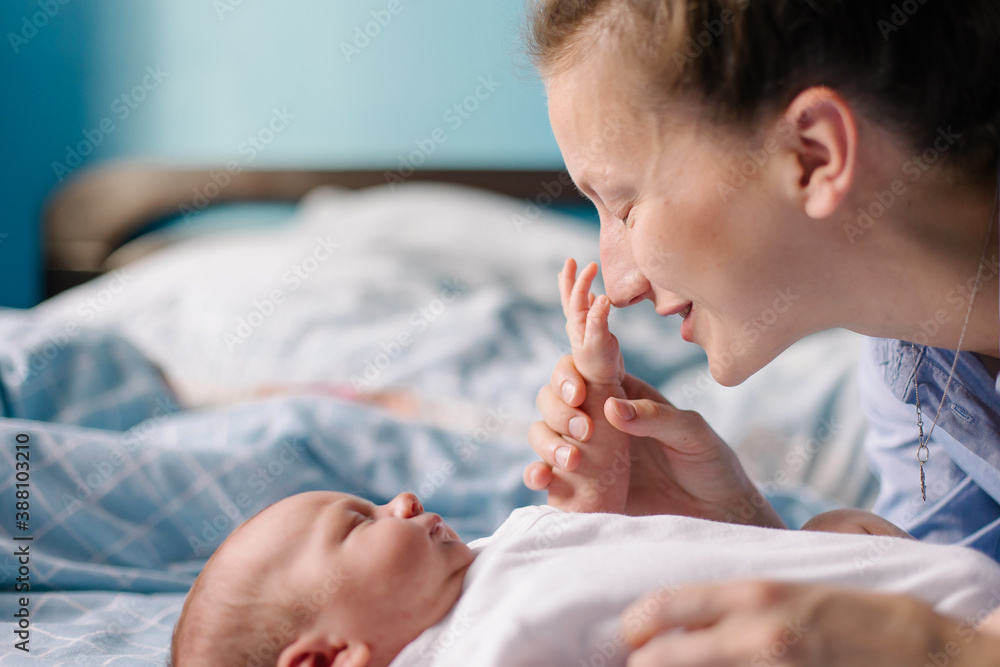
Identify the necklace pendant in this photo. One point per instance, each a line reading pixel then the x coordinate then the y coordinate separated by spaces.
pixel 923 485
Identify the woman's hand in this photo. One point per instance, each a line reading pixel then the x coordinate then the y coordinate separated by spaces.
pixel 679 464
pixel 795 625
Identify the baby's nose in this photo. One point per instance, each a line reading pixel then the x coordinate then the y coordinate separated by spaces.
pixel 407 505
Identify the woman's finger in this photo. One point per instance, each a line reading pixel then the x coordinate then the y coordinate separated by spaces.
pixel 696 606
pixel 713 647
pixel 537 476
pixel 636 388
pixel 674 650
pixel 567 382
pixel 552 448
pixel 561 418
pixel 684 430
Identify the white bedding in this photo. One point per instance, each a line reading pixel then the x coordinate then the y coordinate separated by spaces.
pixel 484 353
pixel 548 588
pixel 400 255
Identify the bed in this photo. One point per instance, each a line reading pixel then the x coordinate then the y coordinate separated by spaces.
pixel 215 341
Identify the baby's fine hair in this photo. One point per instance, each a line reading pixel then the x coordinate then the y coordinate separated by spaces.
pixel 228 620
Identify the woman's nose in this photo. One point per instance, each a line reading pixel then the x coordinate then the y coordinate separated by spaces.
pixel 406 505
pixel 623 281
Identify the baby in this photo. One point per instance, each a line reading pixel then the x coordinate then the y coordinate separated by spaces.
pixel 326 578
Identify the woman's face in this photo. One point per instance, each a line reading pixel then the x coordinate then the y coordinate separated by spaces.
pixel 678 227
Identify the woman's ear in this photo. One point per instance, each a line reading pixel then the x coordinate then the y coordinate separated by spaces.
pixel 316 651
pixel 824 138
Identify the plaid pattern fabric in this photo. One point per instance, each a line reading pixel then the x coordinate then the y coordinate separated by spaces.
pixel 130 495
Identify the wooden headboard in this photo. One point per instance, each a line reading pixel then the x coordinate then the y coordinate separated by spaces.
pixel 89 216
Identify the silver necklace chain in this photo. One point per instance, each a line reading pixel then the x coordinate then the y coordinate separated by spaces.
pixel 923 452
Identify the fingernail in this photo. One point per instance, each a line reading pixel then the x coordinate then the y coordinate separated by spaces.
pixel 568 391
pixel 578 427
pixel 624 409
pixel 562 456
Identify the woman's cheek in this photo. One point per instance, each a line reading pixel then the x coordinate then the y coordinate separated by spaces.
pixel 660 263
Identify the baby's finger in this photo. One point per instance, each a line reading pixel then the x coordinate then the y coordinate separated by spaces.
pixel 579 304
pixel 597 332
pixel 567 277
pixel 580 298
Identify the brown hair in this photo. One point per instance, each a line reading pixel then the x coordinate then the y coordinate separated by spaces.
pixel 915 66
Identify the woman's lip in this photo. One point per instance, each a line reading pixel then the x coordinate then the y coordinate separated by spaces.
pixel 687 326
pixel 678 309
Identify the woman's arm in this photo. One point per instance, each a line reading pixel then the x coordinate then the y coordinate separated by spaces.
pixel 795 625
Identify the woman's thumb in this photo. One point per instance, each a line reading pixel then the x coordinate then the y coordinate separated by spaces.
pixel 643 417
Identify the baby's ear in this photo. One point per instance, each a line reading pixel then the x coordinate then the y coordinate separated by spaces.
pixel 316 651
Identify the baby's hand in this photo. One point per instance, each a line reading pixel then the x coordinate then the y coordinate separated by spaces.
pixel 596 353
pixel 600 482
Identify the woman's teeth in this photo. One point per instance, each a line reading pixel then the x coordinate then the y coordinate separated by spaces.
pixel 686 311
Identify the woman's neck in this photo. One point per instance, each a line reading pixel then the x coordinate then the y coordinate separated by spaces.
pixel 914 268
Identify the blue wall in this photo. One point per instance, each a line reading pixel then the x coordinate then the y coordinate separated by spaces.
pixel 265 83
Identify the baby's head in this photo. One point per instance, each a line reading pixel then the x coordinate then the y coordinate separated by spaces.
pixel 322 576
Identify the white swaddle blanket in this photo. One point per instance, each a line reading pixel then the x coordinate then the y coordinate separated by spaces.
pixel 549 587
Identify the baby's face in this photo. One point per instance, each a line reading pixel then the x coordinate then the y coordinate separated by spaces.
pixel 378 574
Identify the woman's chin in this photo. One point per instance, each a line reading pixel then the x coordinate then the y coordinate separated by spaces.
pixel 730 370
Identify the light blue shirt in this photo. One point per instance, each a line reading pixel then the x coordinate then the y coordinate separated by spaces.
pixel 963 471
